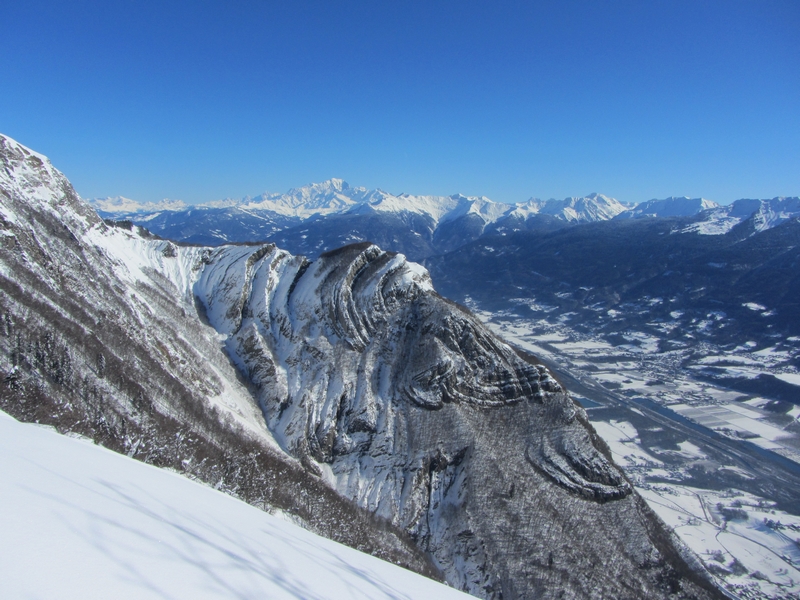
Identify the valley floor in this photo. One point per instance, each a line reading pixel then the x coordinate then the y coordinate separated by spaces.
pixel 722 468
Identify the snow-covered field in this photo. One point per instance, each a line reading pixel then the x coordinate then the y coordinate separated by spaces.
pixel 79 521
pixel 746 543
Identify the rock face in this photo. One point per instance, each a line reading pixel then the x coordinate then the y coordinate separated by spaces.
pixel 408 405
pixel 375 388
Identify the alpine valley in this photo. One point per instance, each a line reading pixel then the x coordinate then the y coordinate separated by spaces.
pixel 284 350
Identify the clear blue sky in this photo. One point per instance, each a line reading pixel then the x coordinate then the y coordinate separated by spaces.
pixel 201 100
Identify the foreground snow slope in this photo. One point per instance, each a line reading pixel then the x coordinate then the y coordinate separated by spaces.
pixel 79 521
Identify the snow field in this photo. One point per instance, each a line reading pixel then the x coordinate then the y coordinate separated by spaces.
pixel 79 521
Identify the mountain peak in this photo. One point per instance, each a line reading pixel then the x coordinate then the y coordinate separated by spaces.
pixel 333 184
pixel 33 183
pixel 674 206
pixel 594 207
pixel 121 204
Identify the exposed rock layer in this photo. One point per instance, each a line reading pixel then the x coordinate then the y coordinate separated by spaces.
pixel 411 407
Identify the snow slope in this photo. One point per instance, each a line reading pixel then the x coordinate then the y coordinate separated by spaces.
pixel 79 521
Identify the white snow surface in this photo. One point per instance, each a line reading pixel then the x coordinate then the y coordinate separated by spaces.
pixel 80 521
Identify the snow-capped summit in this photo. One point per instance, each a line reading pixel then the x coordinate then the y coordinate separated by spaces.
pixel 594 207
pixel 673 206
pixel 331 196
pixel 321 216
pixel 434 207
pixel 335 196
pixel 587 209
pixel 488 210
pixel 37 185
pixel 765 214
pixel 120 204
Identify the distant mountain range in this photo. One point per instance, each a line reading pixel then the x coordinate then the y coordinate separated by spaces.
pixel 578 254
pixel 319 217
pixel 669 207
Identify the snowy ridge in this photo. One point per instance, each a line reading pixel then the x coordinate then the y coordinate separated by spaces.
pixel 120 204
pixel 331 196
pixel 385 361
pixel 765 214
pixel 335 196
pixel 270 213
pixel 31 177
pixel 669 207
pixel 435 207
pixel 594 207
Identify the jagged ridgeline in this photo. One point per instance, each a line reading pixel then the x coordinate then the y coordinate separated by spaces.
pixel 344 391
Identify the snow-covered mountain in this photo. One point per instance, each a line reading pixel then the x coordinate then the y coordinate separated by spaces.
pixel 319 217
pixel 313 219
pixel 100 337
pixel 126 206
pixel 330 197
pixel 712 219
pixel 345 391
pixel 668 207
pixel 589 209
pixel 335 196
pixel 762 215
pixel 79 521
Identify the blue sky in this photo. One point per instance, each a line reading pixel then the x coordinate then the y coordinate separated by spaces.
pixel 201 100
